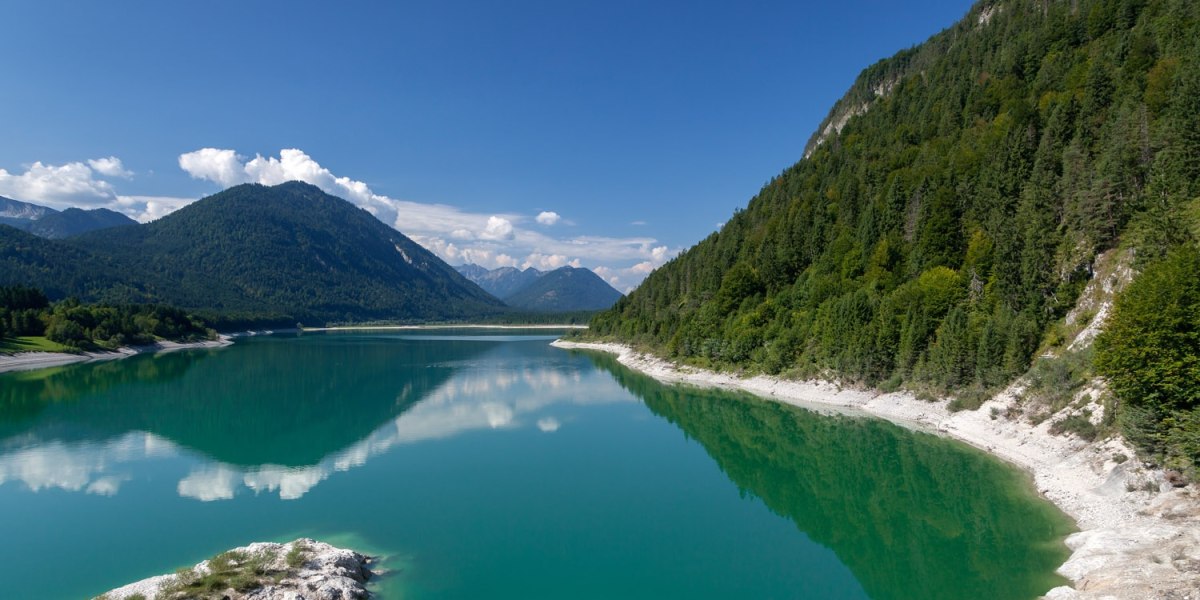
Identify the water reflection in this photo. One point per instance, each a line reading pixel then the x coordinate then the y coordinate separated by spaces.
pixel 91 467
pixel 912 515
pixel 278 420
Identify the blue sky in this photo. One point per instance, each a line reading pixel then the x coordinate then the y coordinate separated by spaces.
pixel 632 128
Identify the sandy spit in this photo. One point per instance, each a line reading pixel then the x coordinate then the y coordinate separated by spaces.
pixel 1139 537
pixel 26 361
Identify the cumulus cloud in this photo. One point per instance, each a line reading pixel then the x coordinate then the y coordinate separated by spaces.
pixel 221 166
pixel 545 262
pixel 548 424
pixel 80 184
pixel 498 228
pixel 547 217
pixel 110 167
pixel 61 186
pixel 149 208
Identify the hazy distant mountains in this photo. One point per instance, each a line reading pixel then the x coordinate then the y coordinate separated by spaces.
pixel 566 289
pixel 252 252
pixel 49 223
pixel 502 282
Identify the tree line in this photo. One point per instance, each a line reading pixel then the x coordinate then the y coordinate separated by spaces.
pixel 28 312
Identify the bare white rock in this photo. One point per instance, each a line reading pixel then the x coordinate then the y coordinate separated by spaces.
pixel 326 573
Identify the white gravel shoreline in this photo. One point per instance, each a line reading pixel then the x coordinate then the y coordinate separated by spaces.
pixel 1131 544
pixel 25 361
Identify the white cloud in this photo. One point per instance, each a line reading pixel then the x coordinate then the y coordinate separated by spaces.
pixel 77 184
pixel 548 424
pixel 149 208
pixel 545 262
pixel 644 267
pixel 72 184
pixel 638 223
pixel 110 167
pixel 222 166
pixel 547 217
pixel 498 228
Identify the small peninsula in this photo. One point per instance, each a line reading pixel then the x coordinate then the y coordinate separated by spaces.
pixel 303 569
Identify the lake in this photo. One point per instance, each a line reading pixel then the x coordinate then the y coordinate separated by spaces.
pixel 490 464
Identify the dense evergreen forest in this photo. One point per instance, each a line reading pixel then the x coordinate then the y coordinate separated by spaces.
pixel 951 209
pixel 27 312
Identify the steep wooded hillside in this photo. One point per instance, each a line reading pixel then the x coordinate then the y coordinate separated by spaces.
pixel 952 205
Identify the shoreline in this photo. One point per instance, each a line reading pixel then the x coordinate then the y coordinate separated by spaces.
pixel 419 327
pixel 29 361
pixel 1132 543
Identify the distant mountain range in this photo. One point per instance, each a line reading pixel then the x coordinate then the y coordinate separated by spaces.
pixel 565 289
pixel 502 282
pixel 252 253
pixel 46 222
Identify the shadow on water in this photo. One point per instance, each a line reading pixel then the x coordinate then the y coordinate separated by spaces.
pixel 911 514
pixel 255 403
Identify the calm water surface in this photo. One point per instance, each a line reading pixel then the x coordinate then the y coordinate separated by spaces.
pixel 493 466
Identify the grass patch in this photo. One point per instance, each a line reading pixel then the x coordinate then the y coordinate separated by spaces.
pixel 30 343
pixel 230 570
pixel 297 555
pixel 1078 424
pixel 1053 382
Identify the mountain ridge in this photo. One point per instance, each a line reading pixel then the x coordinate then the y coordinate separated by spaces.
pixel 565 289
pixel 500 282
pixel 284 252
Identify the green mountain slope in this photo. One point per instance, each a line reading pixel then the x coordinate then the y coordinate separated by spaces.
pixel 74 221
pixel 61 270
pixel 256 252
pixel 564 289
pixel 952 204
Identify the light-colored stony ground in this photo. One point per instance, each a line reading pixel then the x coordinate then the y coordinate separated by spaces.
pixel 327 573
pixel 1133 544
pixel 25 361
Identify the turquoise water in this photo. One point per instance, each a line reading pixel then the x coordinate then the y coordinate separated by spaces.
pixel 493 466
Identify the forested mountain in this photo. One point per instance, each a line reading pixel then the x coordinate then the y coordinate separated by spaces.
pixel 254 252
pixel 952 205
pixel 60 270
pixel 501 282
pixel 49 223
pixel 565 289
pixel 74 221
